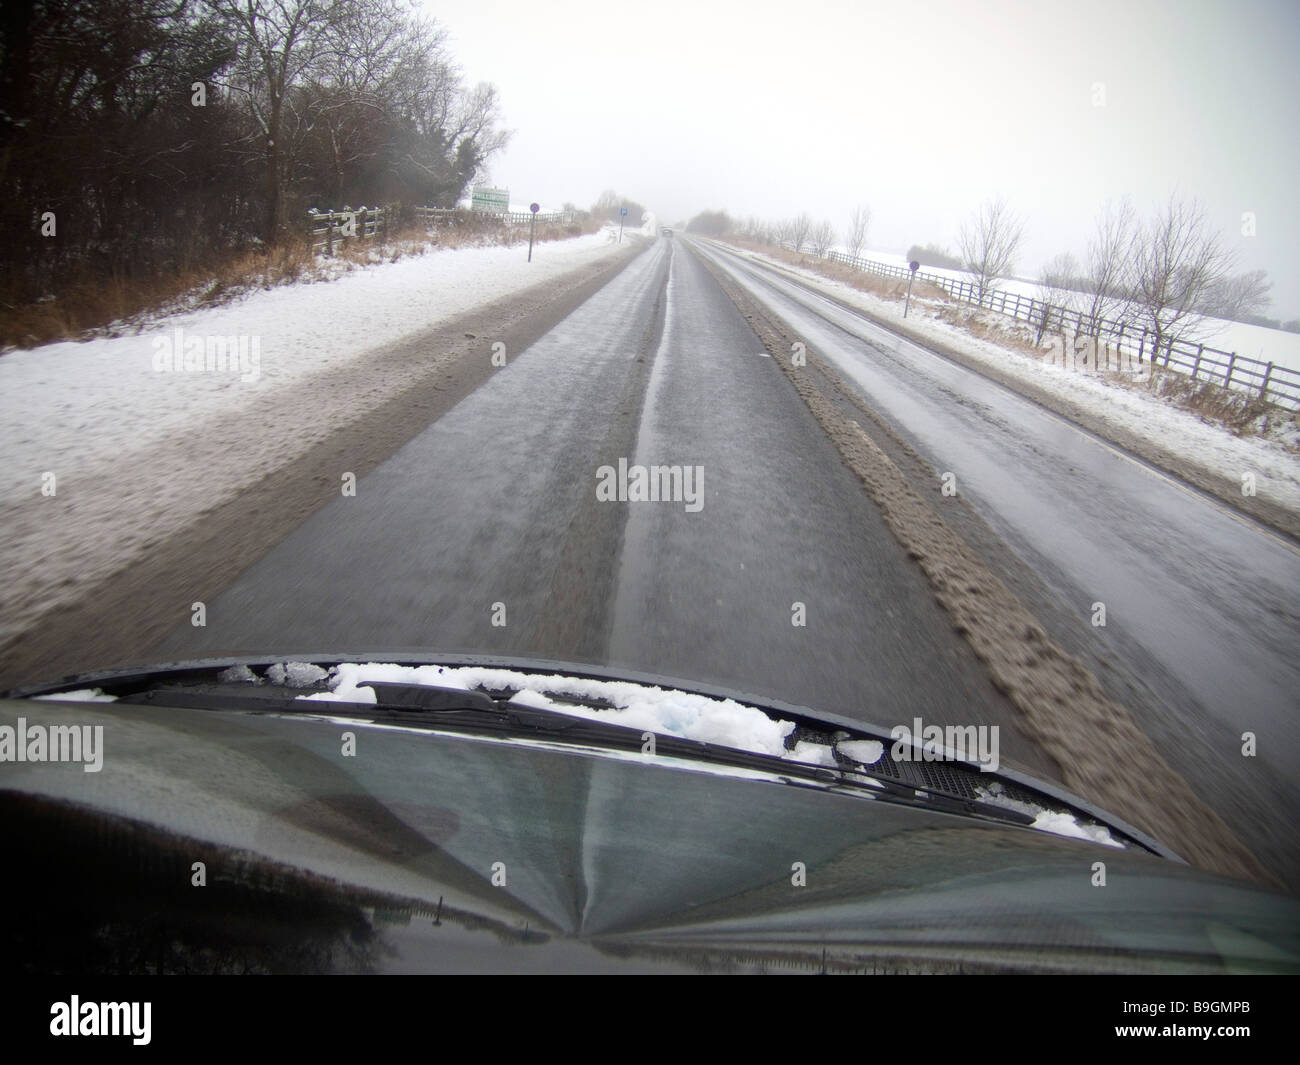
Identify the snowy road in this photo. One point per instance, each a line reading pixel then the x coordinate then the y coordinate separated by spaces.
pixel 1202 606
pixel 485 534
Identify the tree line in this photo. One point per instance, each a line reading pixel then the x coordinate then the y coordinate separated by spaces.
pixel 1166 273
pixel 144 136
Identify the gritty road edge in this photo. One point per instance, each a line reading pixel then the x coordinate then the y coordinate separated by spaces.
pixel 1103 754
pixel 136 605
pixel 1223 489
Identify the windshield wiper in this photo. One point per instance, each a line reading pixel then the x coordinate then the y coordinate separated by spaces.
pixel 478 713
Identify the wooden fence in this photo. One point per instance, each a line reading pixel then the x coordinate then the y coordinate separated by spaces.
pixel 1267 380
pixel 329 228
pixel 430 217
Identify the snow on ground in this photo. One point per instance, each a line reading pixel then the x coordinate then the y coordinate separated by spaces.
pixel 1249 341
pixel 1134 410
pixel 104 396
pixel 139 445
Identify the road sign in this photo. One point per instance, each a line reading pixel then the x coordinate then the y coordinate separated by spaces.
pixel 496 201
pixel 534 207
pixel 914 266
pixel 622 210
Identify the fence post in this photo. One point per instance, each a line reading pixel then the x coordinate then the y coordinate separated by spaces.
pixel 1142 345
pixel 1227 378
pixel 1196 366
pixel 1263 388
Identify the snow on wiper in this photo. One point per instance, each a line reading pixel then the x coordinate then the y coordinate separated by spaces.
pixel 611 716
pixel 1058 822
pixel 683 715
pixel 663 711
pixel 80 695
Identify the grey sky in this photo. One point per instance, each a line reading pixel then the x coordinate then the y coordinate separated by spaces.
pixel 920 110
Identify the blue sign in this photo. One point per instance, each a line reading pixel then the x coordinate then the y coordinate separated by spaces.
pixel 622 210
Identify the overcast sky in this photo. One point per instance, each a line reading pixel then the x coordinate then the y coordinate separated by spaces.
pixel 920 110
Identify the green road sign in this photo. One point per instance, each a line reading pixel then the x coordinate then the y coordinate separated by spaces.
pixel 488 199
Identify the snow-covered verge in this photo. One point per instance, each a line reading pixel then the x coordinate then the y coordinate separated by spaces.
pixel 1128 408
pixel 66 401
pixel 1250 341
pixel 113 443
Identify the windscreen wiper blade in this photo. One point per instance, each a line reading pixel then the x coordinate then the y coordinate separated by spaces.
pixel 478 713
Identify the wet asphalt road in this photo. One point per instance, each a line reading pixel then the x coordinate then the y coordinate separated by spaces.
pixel 485 534
pixel 1202 604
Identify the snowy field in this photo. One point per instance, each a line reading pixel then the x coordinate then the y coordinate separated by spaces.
pixel 1250 341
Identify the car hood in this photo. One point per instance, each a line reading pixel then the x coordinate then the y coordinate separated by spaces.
pixel 342 838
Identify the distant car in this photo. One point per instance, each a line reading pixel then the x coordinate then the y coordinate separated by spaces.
pixel 666 231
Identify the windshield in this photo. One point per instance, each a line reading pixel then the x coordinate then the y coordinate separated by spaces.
pixel 933 370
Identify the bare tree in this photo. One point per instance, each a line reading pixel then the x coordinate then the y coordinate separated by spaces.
pixel 1056 292
pixel 859 222
pixel 988 244
pixel 800 229
pixel 823 238
pixel 282 44
pixel 1178 259
pixel 1107 267
pixel 378 69
pixel 1240 298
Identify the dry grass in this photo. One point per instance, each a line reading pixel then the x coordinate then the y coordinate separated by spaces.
pixel 87 306
pixel 1242 412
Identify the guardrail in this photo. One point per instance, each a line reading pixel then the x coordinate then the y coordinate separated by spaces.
pixel 328 228
pixel 1266 380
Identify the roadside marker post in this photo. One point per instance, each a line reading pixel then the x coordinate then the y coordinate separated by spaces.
pixel 914 266
pixel 622 211
pixel 532 228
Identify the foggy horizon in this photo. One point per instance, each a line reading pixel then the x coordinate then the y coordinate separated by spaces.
pixel 920 113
